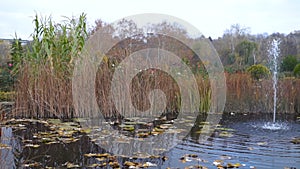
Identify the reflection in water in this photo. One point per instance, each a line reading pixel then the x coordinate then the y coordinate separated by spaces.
pixel 6 152
pixel 238 139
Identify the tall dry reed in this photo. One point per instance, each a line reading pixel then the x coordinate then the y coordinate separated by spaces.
pixel 245 94
pixel 44 86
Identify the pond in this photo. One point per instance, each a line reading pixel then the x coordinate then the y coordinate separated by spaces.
pixel 239 141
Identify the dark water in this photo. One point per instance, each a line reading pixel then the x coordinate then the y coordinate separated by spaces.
pixel 250 143
pixel 245 139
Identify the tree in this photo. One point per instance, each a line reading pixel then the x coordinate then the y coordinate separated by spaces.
pixel 288 63
pixel 235 35
pixel 246 50
pixel 126 29
pixel 4 52
pixel 106 28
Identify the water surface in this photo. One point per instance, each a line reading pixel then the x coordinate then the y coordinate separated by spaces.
pixel 245 139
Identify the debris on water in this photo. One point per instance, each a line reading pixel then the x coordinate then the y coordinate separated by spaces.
pixel 32 145
pixel 225 157
pixel 218 162
pixel 296 140
pixel 71 165
pixel 164 158
pixel 105 155
pixel 250 148
pixel 262 143
pixel 188 158
pixel 196 166
pixel 31 165
pixel 222 165
pixel 149 164
pixel 4 146
pixel 225 129
pixel 225 134
pixel 131 164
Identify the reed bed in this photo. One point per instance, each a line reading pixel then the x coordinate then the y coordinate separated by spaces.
pixel 45 73
pixel 45 70
pixel 245 94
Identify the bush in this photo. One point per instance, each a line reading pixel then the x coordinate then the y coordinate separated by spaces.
pixel 258 71
pixel 6 96
pixel 6 79
pixel 297 70
pixel 288 63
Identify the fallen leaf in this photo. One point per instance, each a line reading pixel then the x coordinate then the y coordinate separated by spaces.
pixel 149 164
pixel 32 145
pixel 71 165
pixel 4 146
pixel 262 143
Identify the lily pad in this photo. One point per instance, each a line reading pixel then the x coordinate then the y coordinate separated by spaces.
pixel 143 135
pixel 225 129
pixel 54 121
pixel 158 129
pixel 225 134
pixel 165 126
pixel 97 155
pixel 129 163
pixel 79 120
pixel 86 130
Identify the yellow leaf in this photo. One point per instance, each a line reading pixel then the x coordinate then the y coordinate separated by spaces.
pixel 105 59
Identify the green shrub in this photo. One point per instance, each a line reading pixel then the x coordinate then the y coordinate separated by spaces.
pixel 258 71
pixel 6 96
pixel 288 63
pixel 297 70
pixel 6 79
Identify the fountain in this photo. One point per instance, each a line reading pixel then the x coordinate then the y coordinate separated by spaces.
pixel 273 56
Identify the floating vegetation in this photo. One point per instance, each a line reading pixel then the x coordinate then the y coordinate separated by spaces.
pixel 4 146
pixel 189 158
pixel 55 131
pixel 225 134
pixel 34 164
pixel 111 160
pixel 71 165
pixel 43 137
pixel 221 165
pixel 130 164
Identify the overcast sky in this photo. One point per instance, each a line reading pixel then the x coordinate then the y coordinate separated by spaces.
pixel 210 17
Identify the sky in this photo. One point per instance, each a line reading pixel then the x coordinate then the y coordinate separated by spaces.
pixel 210 17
